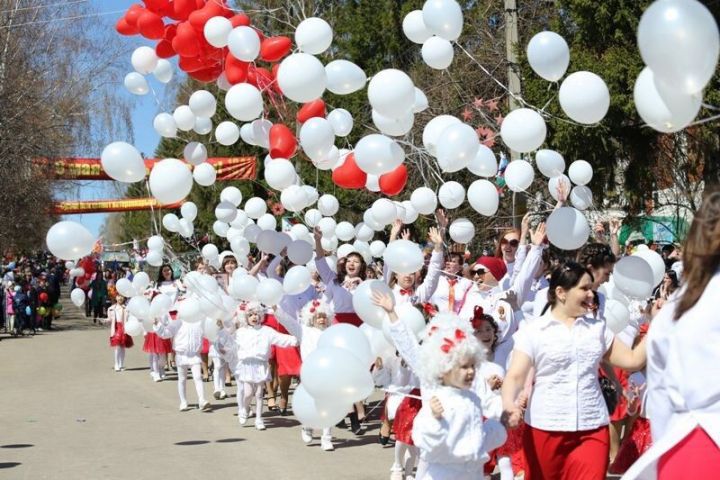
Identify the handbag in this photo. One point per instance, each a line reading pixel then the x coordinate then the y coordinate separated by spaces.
pixel 610 394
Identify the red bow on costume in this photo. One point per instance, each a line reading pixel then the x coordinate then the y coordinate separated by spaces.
pixel 452 281
pixel 477 318
pixel 405 292
pixel 450 344
pixel 315 304
pixel 242 307
pixel 429 309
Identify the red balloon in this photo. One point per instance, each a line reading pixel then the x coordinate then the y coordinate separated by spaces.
pixel 183 8
pixel 133 13
pixel 164 49
pixel 392 183
pixel 260 77
pixel 170 32
pixel 191 64
pixel 274 48
pixel 240 20
pixel 151 26
pixel 276 85
pixel 316 108
pixel 260 34
pixel 283 143
pixel 208 74
pixel 124 28
pixel 158 6
pixel 236 70
pixel 349 175
pixel 186 42
pixel 199 18
pixel 43 297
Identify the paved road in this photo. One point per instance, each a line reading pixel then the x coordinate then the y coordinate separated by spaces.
pixel 67 415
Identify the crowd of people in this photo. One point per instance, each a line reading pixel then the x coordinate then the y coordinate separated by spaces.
pixel 517 371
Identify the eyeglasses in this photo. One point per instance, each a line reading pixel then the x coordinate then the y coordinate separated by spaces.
pixel 479 271
pixel 513 243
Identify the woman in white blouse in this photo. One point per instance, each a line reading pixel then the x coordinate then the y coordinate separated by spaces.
pixel 567 420
pixel 683 391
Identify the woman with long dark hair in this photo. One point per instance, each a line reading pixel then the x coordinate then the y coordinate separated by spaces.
pixel 566 435
pixel 683 396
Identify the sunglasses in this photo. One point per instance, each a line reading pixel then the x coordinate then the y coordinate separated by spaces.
pixel 513 243
pixel 479 271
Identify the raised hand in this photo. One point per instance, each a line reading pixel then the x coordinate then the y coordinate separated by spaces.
pixel 383 300
pixel 494 381
pixel 538 236
pixel 395 229
pixel 436 408
pixel 525 227
pixel 405 234
pixel 435 237
pixel 615 225
pixel 563 190
pixel 442 218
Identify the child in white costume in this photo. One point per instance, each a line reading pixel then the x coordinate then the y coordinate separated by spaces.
pixel 253 342
pixel 187 342
pixel 224 356
pixel 117 316
pixel 449 430
pixel 315 316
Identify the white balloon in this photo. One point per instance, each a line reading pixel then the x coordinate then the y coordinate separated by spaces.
pixel 364 306
pixel 370 221
pixel 293 198
pixel 125 288
pixel 170 181
pixel 341 121
pixel 437 53
pixel 457 145
pixel 241 219
pixel 567 228
pixel 617 315
pixel 483 197
pixel 302 77
pixel 433 130
pixel 184 118
pixel 462 230
pixel 519 175
pixel 171 222
pixel 269 291
pixel 391 92
pixel 317 413
pixel 443 18
pixel 414 27
pixel 344 77
pixel 240 246
pixel 204 174
pixel 139 306
pixel 345 231
pixel 244 287
pixel 384 211
pixel 679 41
pixel 297 280
pixel 317 137
pixel 580 172
pixel 217 30
pixel 333 374
pixel 155 242
pixel 378 154
pixel 160 305
pixel 328 205
pixel 251 232
pixel 189 311
pixel 656 262
pixel 421 101
pixel 300 252
pixel 314 35
pixel 225 211
pixel 244 43
pixel 372 183
pixel 581 197
pixel 232 195
pixel 144 60
pixel 555 182
pixel 189 210
pixel 451 195
pixel 227 133
pixel 69 240
pixel 203 125
pixel 664 109
pixel 329 244
pixel 122 162
pixel 550 163
pixel 164 125
pixel 410 213
pixel 484 163
pixel 403 256
pixel 313 216
pixel 549 55
pixel 186 228
pixel 244 101
pixel 220 228
pixel 136 84
pixel 423 200
pixel 202 103
pixel 210 252
pixel 154 258
pixel 396 127
pixel 377 248
pixel 163 71
pixel 78 297
pixel 195 153
pixel 347 337
pixel 364 232
pixel 223 83
pixel 633 276
pixel 523 130
pixel 261 132
pixel 280 174
pixel 327 226
pixel 330 160
pixel 584 97
pixel 133 327
pixel 267 222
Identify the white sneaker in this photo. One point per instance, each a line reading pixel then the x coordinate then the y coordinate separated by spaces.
pixel 117 369
pixel 397 475
pixel 259 424
pixel 326 444
pixel 216 395
pixel 223 395
pixel 242 418
pixel 206 407
pixel 184 407
pixel 306 435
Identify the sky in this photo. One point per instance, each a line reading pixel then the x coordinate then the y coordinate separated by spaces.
pixel 144 111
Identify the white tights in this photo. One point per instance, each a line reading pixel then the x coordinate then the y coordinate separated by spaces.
pixel 219 369
pixel 197 380
pixel 403 464
pixel 246 392
pixel 119 357
pixel 157 365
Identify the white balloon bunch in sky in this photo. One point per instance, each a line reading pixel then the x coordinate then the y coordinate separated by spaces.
pixel 145 61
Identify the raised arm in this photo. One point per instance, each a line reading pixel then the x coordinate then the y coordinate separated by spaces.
pixel 615 225
pixel 259 266
pixel 523 282
pixel 430 283
pixel 402 336
pixel 271 270
pixel 290 323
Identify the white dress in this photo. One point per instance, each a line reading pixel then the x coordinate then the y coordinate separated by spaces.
pixel 253 351
pixel 186 340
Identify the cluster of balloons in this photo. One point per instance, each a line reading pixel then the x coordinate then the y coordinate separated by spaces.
pixel 183 225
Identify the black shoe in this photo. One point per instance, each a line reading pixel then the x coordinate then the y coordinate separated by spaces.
pixel 342 424
pixel 383 440
pixel 355 425
pixel 284 412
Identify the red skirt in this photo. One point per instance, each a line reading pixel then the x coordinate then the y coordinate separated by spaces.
pixel 405 417
pixel 632 447
pixel 121 339
pixel 155 344
pixel 621 410
pixel 513 448
pixel 349 317
pixel 205 349
pixel 287 358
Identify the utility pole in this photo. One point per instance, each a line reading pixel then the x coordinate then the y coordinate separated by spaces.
pixel 513 75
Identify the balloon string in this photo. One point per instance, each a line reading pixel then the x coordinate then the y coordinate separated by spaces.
pixel 401 394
